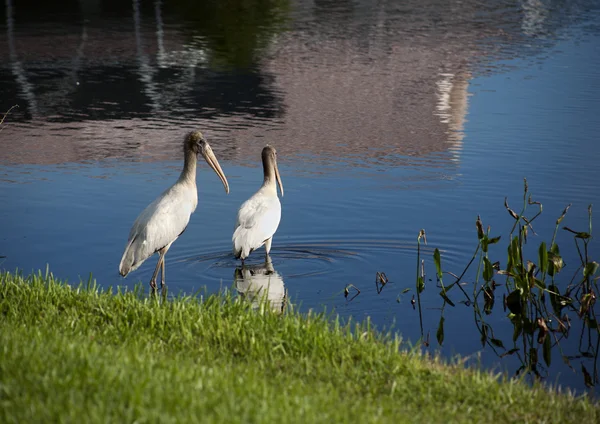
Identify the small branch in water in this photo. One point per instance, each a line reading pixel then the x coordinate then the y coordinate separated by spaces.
pixel 380 281
pixel 347 291
pixel 420 286
pixel 458 279
pixel 6 114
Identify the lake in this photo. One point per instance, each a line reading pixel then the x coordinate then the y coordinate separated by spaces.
pixel 388 118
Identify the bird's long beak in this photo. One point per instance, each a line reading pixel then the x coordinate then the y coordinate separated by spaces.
pixel 211 159
pixel 278 178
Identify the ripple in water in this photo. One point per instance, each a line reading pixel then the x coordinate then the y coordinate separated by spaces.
pixel 317 258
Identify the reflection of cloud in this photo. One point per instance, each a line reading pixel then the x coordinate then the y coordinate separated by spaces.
pixel 25 87
pixel 452 106
pixel 261 283
pixel 160 54
pixel 146 71
pixel 535 13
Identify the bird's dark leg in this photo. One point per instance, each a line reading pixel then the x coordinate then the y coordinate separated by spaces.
pixel 163 252
pixel 162 276
pixel 158 265
pixel 163 286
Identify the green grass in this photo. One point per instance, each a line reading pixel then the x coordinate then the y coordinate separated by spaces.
pixel 74 355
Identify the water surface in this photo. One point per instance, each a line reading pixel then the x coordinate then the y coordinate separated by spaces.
pixel 387 118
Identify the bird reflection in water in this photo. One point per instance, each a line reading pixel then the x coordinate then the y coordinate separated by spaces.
pixel 261 285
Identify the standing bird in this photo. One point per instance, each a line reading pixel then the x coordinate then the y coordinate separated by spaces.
pixel 163 220
pixel 259 216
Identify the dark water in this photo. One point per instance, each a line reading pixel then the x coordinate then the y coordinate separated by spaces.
pixel 387 117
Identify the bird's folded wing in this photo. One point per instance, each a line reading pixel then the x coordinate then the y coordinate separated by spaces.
pixel 161 223
pixel 258 220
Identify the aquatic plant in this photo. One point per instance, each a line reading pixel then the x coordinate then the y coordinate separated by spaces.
pixel 540 300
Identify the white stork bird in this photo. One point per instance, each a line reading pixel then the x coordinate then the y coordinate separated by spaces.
pixel 259 216
pixel 163 220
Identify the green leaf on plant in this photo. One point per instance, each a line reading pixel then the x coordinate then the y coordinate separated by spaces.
pixel 547 350
pixel 479 226
pixel 497 343
pixel 494 240
pixel 513 302
pixel 518 328
pixel 521 284
pixel 590 269
pixel 578 234
pixel 561 217
pixel 438 262
pixel 555 263
pixel 533 356
pixel 440 331
pixel 484 244
pixel 516 251
pixel 489 298
pixel 587 378
pixel 484 335
pixel 488 270
pixel 446 298
pixel 543 257
pixel 510 352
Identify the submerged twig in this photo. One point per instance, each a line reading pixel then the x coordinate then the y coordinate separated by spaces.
pixel 380 281
pixel 347 291
pixel 6 114
pixel 420 278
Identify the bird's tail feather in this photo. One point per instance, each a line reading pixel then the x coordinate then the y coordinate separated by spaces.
pixel 128 260
pixel 241 243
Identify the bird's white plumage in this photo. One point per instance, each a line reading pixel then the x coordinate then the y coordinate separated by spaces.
pixel 163 220
pixel 160 224
pixel 257 221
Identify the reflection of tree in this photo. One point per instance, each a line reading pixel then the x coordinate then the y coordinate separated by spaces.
pixel 361 70
pixel 142 82
pixel 234 31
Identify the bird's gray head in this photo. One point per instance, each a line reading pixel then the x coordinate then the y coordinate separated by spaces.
pixel 269 154
pixel 195 142
pixel 269 160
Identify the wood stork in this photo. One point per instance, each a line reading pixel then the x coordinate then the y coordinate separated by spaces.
pixel 259 216
pixel 163 220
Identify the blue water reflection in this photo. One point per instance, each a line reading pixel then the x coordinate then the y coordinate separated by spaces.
pixel 392 119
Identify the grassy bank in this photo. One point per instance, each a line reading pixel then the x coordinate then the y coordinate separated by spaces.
pixel 69 354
